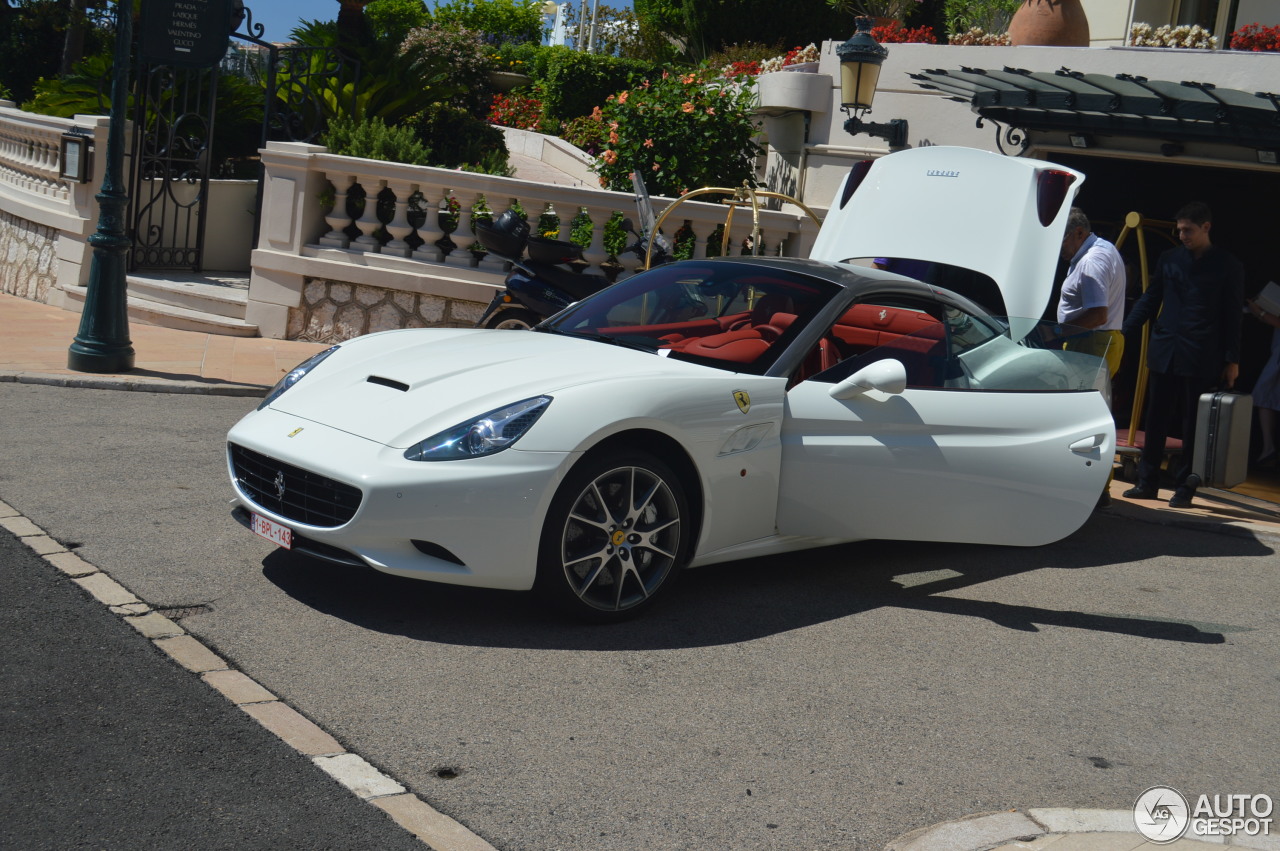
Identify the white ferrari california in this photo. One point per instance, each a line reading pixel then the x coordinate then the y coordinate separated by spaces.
pixel 712 410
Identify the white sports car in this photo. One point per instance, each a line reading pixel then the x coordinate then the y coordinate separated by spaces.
pixel 711 410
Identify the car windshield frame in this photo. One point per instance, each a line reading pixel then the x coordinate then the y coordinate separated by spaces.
pixel 739 315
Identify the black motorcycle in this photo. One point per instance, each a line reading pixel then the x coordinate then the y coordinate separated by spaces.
pixel 545 282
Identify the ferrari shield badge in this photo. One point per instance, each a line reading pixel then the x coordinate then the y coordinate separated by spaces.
pixel 743 398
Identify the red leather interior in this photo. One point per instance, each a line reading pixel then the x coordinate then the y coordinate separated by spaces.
pixel 914 338
pixel 866 326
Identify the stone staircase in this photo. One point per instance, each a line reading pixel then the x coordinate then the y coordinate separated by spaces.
pixel 209 302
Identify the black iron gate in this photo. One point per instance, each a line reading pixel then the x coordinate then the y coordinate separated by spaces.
pixel 175 147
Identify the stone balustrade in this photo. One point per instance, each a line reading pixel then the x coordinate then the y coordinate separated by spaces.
pixel 45 220
pixel 350 246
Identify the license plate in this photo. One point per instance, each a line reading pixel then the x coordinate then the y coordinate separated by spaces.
pixel 281 536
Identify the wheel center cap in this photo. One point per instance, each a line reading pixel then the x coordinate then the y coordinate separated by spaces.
pixel 619 537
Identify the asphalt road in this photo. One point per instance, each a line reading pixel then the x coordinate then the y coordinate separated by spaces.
pixel 830 699
pixel 106 744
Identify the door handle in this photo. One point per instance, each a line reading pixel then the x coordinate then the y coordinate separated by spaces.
pixel 1088 445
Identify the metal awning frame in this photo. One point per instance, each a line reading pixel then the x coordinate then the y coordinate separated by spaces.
pixel 1124 105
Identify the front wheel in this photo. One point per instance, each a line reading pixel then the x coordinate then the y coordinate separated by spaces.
pixel 513 318
pixel 617 533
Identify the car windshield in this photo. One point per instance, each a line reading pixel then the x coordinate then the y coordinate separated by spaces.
pixel 731 315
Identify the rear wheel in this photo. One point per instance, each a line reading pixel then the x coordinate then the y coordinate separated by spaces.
pixel 616 535
pixel 513 318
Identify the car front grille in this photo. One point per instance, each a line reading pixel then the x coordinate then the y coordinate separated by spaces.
pixel 291 491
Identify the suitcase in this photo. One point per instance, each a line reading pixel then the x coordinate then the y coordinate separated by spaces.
pixel 1220 457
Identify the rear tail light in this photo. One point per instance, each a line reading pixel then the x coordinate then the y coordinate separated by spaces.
pixel 1052 186
pixel 856 175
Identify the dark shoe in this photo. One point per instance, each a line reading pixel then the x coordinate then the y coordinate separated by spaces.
pixel 1181 498
pixel 1140 492
pixel 1104 501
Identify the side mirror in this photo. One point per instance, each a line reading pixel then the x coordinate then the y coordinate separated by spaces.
pixel 887 376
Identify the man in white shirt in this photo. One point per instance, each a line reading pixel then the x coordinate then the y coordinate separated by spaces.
pixel 1091 308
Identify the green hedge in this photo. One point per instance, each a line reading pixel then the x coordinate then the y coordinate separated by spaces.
pixel 574 83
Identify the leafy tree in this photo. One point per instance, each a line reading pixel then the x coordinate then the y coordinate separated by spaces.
pixel 500 20
pixel 706 26
pixel 395 82
pixel 391 20
pixel 39 37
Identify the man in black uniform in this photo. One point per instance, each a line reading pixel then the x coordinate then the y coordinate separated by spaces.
pixel 1195 343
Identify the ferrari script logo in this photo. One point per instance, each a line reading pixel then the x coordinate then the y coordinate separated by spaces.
pixel 743 398
pixel 294 433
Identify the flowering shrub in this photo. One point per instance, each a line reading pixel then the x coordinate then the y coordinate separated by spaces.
pixel 515 110
pixel 976 35
pixel 498 62
pixel 1196 36
pixel 896 33
pixel 794 56
pixel 741 69
pixel 461 55
pixel 683 131
pixel 1256 37
pixel 587 132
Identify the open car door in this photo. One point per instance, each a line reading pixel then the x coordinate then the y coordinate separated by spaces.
pixel 947 432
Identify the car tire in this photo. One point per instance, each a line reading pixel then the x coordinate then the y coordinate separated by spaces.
pixel 617 533
pixel 513 318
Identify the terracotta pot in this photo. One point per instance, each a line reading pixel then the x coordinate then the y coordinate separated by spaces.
pixel 1060 23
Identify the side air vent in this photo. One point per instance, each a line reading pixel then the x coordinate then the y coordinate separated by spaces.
pixel 389 382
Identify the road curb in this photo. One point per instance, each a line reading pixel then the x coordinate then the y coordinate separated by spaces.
pixel 352 771
pixel 142 385
pixel 1096 829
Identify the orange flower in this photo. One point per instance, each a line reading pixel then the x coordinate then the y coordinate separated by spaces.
pixel 613 138
pixel 648 143
pixel 596 113
pixel 622 98
pixel 688 107
pixel 610 157
pixel 656 167
pixel 710 111
pixel 688 79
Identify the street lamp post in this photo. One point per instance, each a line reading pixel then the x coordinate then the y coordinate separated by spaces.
pixel 102 343
pixel 860 60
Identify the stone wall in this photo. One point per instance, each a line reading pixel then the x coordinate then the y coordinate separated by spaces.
pixel 28 250
pixel 333 311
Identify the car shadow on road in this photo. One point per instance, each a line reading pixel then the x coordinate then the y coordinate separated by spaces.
pixel 749 599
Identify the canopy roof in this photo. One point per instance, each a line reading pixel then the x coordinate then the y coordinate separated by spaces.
pixel 1123 105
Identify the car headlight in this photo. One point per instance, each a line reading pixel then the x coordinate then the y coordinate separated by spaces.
pixel 484 435
pixel 295 375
